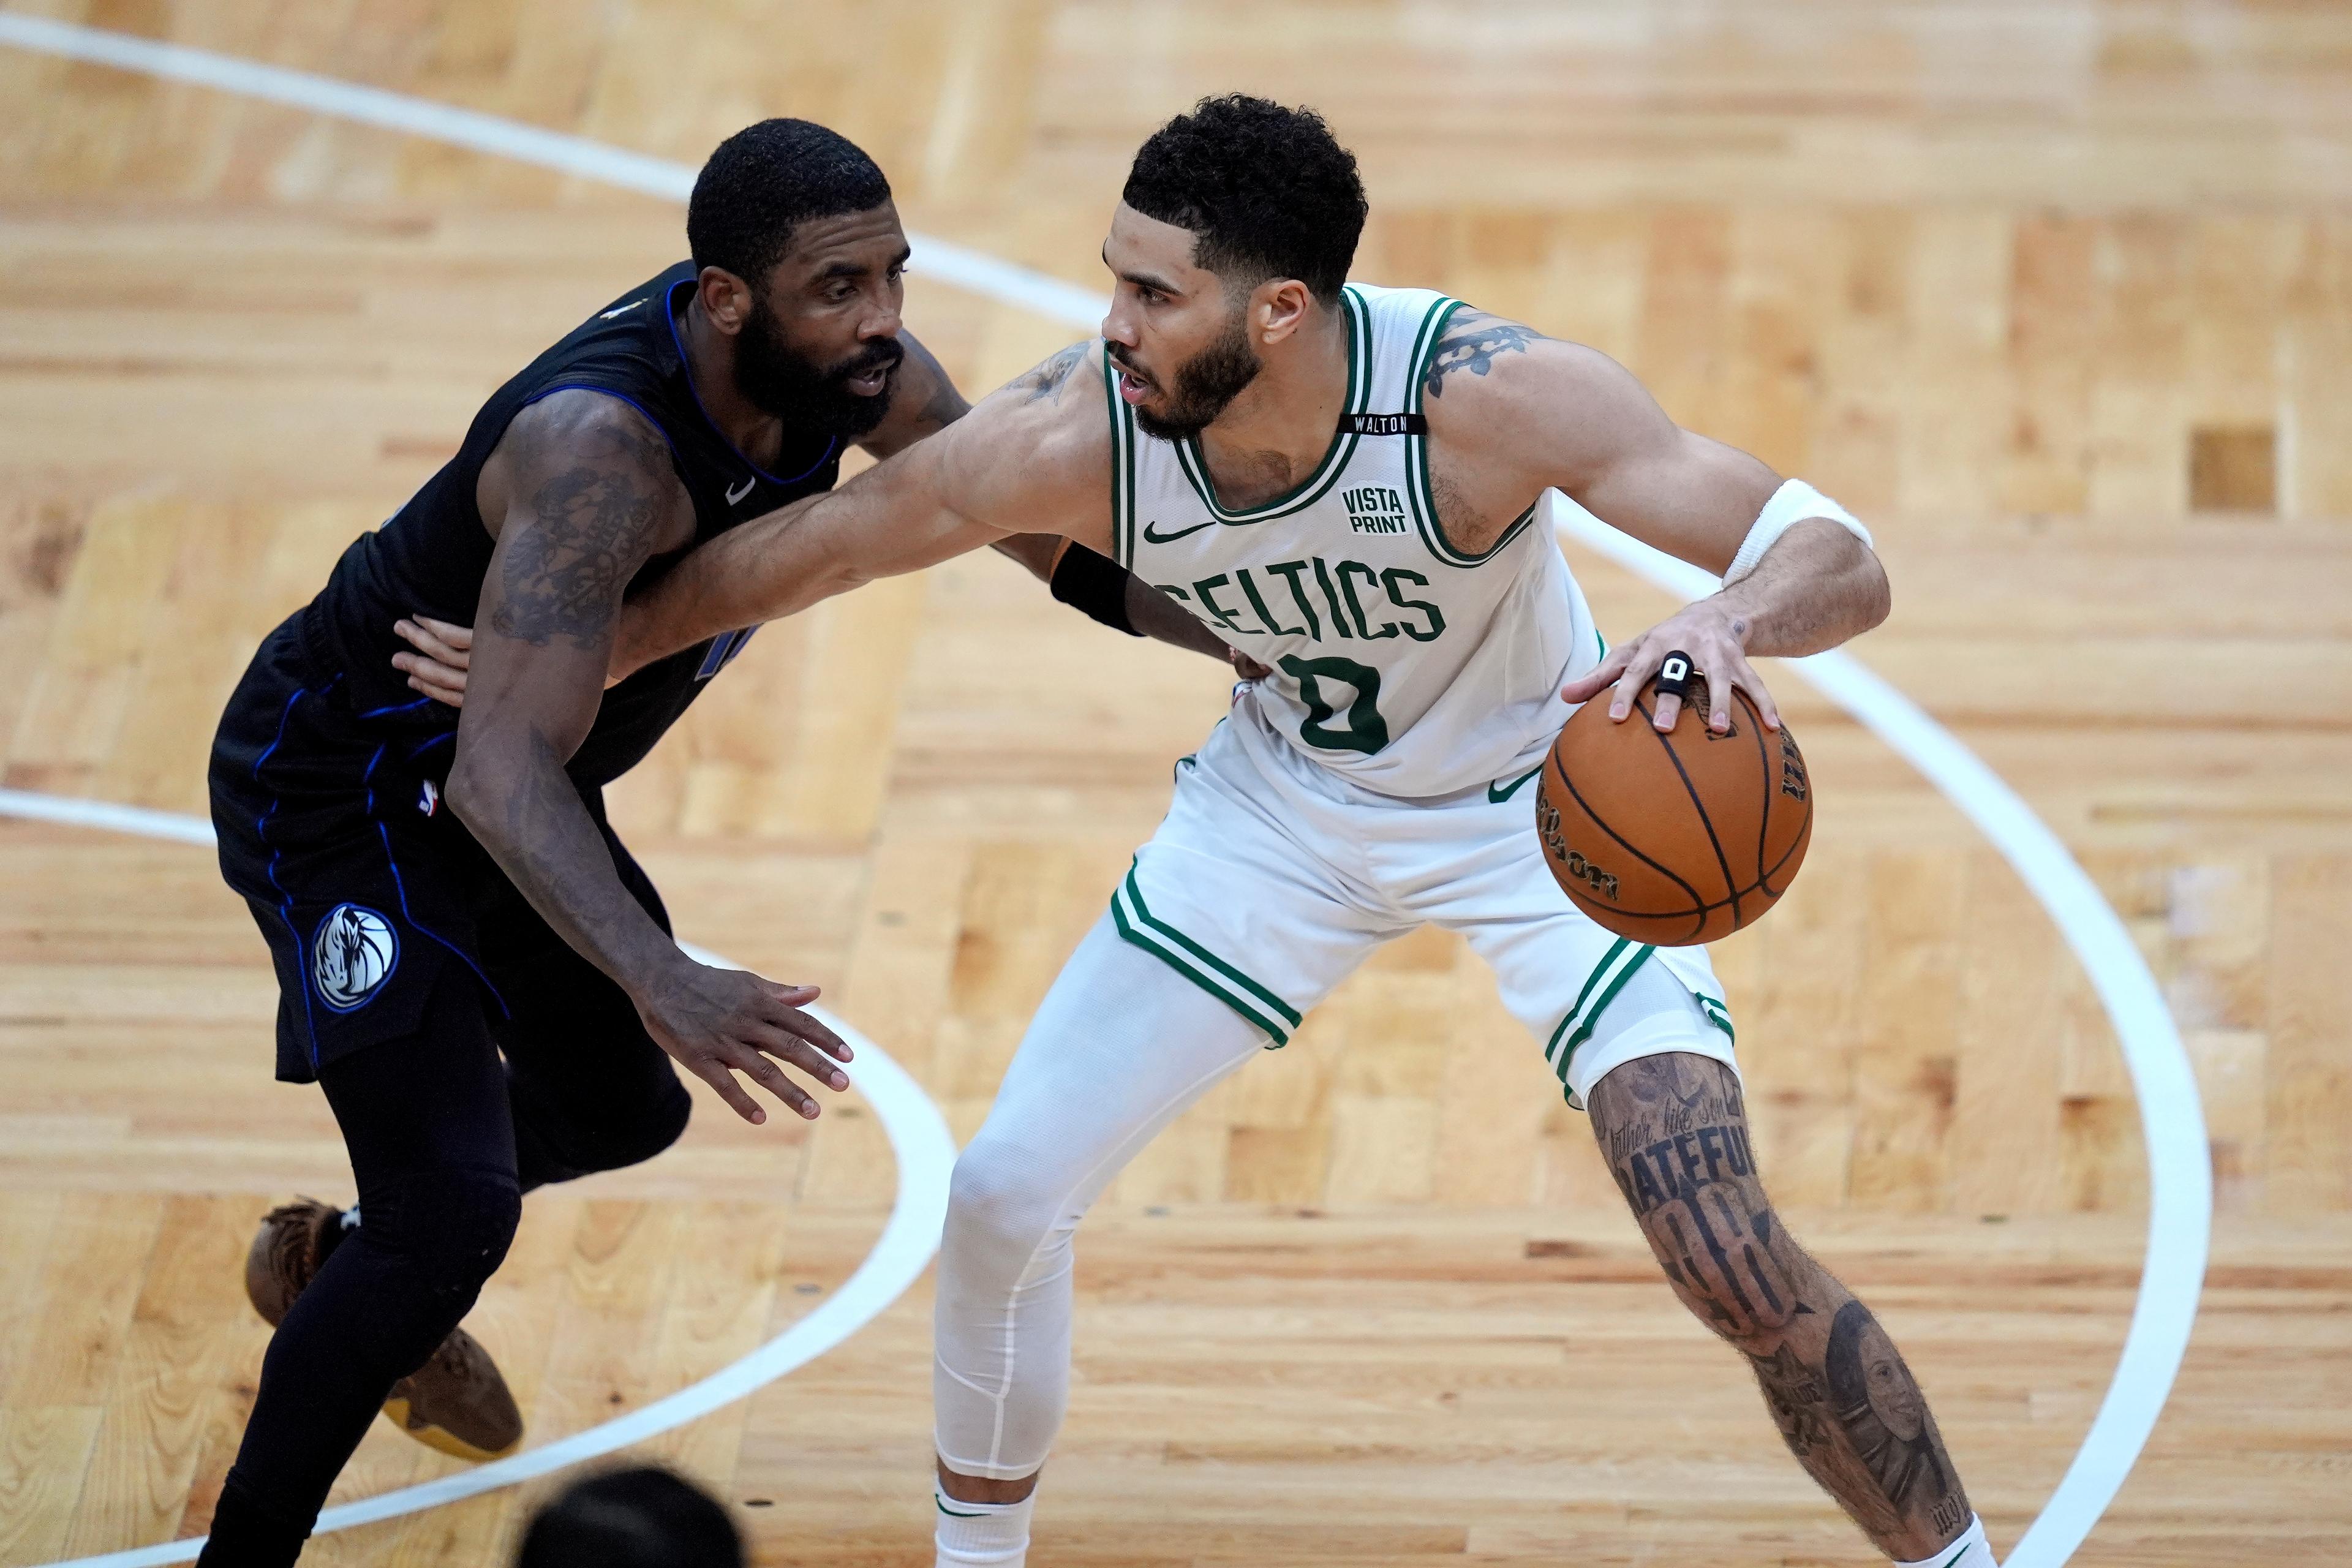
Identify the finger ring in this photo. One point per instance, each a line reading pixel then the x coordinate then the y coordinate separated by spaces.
pixel 1675 676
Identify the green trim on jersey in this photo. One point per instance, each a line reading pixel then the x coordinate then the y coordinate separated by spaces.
pixel 1252 1000
pixel 1122 465
pixel 1419 494
pixel 1717 1013
pixel 1317 485
pixel 1609 976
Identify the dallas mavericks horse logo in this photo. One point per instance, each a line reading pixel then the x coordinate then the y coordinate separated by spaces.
pixel 352 956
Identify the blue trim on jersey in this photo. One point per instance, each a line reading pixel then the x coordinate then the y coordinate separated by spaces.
pixel 286 900
pixel 428 745
pixel 394 708
pixel 723 649
pixel 367 781
pixel 670 314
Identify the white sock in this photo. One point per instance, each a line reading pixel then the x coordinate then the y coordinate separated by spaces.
pixel 992 1533
pixel 1969 1549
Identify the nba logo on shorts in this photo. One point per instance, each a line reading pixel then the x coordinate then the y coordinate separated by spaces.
pixel 352 956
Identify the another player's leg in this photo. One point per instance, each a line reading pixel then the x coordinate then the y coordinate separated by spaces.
pixel 431 1146
pixel 1121 1045
pixel 1675 1131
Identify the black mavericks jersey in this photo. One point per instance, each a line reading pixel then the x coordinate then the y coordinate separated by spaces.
pixel 431 557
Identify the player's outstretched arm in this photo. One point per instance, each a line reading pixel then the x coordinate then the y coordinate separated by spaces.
pixel 1034 456
pixel 1551 414
pixel 928 402
pixel 439 653
pixel 588 498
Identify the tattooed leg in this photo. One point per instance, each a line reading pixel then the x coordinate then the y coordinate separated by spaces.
pixel 1675 1131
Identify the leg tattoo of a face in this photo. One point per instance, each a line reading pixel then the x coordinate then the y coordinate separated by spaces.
pixel 1877 1403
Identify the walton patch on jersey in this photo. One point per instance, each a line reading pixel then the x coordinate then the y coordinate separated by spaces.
pixel 1342 588
pixel 1374 509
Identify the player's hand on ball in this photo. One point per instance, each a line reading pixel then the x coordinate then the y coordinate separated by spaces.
pixel 1713 636
pixel 719 1022
pixel 444 653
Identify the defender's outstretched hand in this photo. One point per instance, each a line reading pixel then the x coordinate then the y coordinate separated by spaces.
pixel 719 1022
pixel 1715 639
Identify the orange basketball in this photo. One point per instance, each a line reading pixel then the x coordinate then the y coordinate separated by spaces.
pixel 1673 838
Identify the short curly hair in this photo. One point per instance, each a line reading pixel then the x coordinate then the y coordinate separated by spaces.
pixel 765 180
pixel 1266 190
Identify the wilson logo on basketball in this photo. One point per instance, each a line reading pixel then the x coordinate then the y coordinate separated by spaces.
pixel 1573 862
pixel 1792 768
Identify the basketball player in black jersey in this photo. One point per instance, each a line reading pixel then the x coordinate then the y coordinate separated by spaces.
pixel 470 964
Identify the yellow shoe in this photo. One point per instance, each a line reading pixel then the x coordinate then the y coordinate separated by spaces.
pixel 457 1401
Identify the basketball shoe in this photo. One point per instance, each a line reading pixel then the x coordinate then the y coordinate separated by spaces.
pixel 457 1401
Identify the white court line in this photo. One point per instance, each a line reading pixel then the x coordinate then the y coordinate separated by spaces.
pixel 919 1140
pixel 2180 1178
pixel 2172 1122
pixel 968 269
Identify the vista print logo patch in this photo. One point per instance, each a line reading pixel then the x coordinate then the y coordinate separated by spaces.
pixel 351 957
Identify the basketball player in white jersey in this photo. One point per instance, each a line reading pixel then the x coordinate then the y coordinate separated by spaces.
pixel 1349 486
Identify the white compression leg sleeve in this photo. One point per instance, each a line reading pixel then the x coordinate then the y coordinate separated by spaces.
pixel 1120 1045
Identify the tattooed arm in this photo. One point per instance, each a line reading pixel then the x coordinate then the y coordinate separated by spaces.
pixel 1033 455
pixel 1513 414
pixel 439 652
pixel 580 493
pixel 930 403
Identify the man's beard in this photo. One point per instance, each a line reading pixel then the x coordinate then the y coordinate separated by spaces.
pixel 780 381
pixel 1205 383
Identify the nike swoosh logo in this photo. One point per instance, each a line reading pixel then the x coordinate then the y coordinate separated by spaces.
pixel 957 1513
pixel 1498 792
pixel 1172 538
pixel 735 495
pixel 618 310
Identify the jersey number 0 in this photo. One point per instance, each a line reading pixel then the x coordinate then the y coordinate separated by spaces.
pixel 1366 731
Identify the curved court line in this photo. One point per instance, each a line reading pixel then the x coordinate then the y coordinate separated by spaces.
pixel 2172 1120
pixel 2180 1176
pixel 919 1138
pixel 576 155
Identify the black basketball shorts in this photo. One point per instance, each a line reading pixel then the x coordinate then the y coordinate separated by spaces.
pixel 366 886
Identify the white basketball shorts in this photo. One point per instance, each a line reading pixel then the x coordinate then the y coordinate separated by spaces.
pixel 1272 879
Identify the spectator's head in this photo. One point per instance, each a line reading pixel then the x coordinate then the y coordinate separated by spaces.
pixel 636 1517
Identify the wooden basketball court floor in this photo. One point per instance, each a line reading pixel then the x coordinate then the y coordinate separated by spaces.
pixel 2058 294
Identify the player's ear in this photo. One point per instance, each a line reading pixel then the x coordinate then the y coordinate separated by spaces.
pixel 726 298
pixel 1279 308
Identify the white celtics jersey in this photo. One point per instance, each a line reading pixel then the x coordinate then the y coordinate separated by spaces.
pixel 1410 668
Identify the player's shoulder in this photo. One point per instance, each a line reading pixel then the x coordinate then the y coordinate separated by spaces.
pixel 1035 454
pixel 576 437
pixel 1061 377
pixel 1057 409
pixel 581 424
pixel 1485 377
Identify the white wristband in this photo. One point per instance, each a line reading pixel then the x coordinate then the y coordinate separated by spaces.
pixel 1794 502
